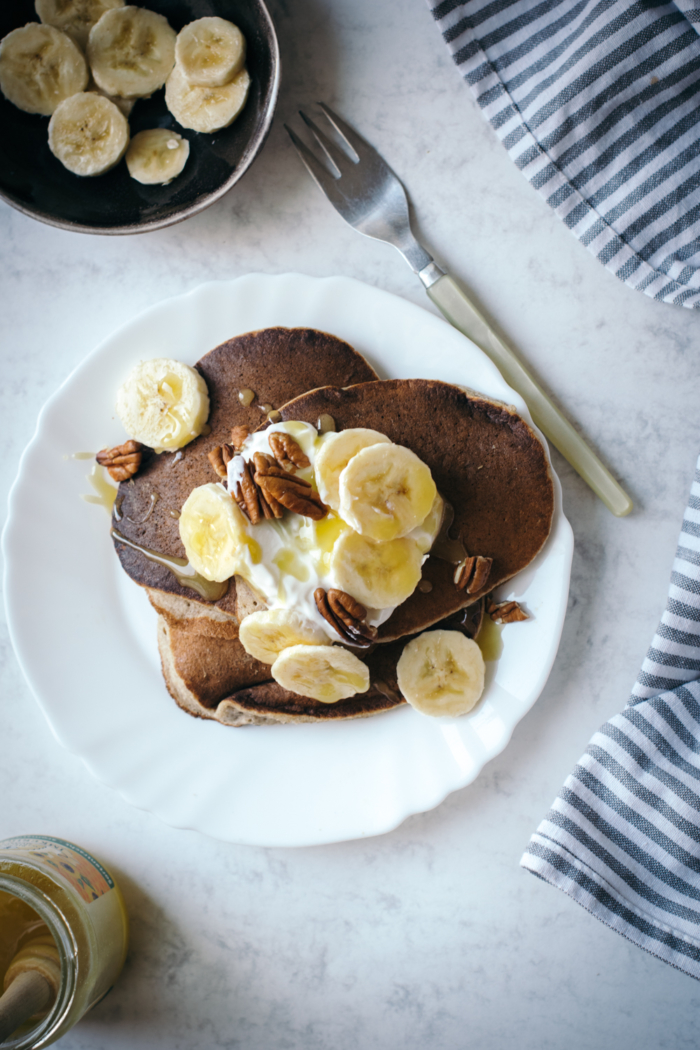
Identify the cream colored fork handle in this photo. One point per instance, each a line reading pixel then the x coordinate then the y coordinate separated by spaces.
pixel 459 311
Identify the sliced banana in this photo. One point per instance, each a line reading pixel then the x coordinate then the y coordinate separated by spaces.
pixel 379 575
pixel 213 532
pixel 324 672
pixel 88 134
pixel 385 491
pixel 210 52
pixel 334 454
pixel 40 67
pixel 205 108
pixel 124 105
pixel 163 403
pixel 155 157
pixel 266 633
pixel 441 673
pixel 427 532
pixel 74 17
pixel 131 51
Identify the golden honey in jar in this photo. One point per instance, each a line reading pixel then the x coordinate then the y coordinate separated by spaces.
pixel 54 893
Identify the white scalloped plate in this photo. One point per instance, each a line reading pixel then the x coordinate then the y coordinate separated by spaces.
pixel 85 634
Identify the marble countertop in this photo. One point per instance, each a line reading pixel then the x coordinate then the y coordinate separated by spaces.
pixel 430 936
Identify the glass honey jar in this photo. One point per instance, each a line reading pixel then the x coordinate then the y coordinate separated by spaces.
pixel 56 896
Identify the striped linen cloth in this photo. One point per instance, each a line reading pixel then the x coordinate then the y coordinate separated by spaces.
pixel 623 836
pixel 597 102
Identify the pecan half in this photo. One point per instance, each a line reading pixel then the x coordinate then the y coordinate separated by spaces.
pixel 122 461
pixel 245 492
pixel 471 575
pixel 238 436
pixel 281 490
pixel 346 616
pixel 506 612
pixel 287 451
pixel 294 494
pixel 220 457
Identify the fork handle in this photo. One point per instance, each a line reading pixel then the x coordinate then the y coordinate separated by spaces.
pixel 452 301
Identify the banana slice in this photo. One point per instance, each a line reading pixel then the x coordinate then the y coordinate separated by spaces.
pixel 441 673
pixel 155 157
pixel 40 67
pixel 213 531
pixel 379 575
pixel 266 633
pixel 335 453
pixel 210 52
pixel 427 532
pixel 324 672
pixel 88 134
pixel 131 51
pixel 385 491
pixel 74 17
pixel 163 403
pixel 205 108
pixel 124 105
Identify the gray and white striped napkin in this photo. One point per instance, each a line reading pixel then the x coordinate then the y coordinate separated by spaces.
pixel 623 837
pixel 597 102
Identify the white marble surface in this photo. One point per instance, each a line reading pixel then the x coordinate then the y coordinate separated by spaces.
pixel 430 936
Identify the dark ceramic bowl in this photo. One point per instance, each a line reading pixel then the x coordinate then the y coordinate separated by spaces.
pixel 32 180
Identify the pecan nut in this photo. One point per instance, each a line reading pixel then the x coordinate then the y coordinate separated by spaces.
pixel 346 616
pixel 293 494
pixel 122 461
pixel 245 492
pixel 239 435
pixel 471 574
pixel 506 612
pixel 288 452
pixel 220 457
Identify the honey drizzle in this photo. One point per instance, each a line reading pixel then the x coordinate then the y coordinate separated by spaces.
pixel 246 397
pixel 181 569
pixel 445 547
pixel 106 493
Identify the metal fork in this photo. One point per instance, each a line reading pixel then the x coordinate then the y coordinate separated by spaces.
pixel 367 194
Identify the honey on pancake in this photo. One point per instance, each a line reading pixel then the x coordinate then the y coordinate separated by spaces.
pixel 446 548
pixel 181 569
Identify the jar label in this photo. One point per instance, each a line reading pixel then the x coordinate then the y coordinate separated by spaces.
pixel 79 869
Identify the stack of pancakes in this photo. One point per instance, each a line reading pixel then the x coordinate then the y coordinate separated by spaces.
pixel 485 460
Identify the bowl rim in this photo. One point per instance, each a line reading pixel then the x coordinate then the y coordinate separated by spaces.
pixel 200 205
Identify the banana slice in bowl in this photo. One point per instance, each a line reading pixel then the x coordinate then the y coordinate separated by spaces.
pixel 88 134
pixel 210 51
pixel 131 51
pixel 74 17
pixel 156 156
pixel 40 67
pixel 441 673
pixel 205 109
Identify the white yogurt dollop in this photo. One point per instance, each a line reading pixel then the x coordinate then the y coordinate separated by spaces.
pixel 293 554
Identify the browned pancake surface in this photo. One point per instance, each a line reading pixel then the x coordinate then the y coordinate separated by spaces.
pixel 485 460
pixel 277 364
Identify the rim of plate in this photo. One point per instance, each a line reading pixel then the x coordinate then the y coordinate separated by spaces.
pixel 356 779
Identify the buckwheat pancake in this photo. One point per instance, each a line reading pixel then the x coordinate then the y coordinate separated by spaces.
pixel 210 675
pixel 486 462
pixel 277 364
